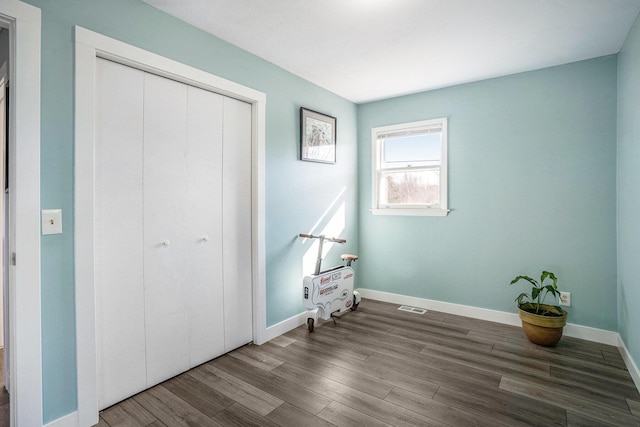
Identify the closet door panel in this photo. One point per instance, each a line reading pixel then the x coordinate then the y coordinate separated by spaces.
pixel 236 202
pixel 118 233
pixel 165 177
pixel 204 287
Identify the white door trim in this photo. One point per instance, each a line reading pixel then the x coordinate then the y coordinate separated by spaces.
pixel 88 46
pixel 24 145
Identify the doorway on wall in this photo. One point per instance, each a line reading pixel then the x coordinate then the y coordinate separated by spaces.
pixel 91 47
pixel 4 228
pixel 21 228
pixel 172 228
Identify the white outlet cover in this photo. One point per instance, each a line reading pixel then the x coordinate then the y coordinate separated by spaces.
pixel 51 221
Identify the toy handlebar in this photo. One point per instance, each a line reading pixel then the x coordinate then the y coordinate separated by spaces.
pixel 330 239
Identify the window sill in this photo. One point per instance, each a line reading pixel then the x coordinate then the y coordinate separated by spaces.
pixel 411 212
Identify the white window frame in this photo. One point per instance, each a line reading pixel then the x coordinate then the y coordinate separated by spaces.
pixel 441 209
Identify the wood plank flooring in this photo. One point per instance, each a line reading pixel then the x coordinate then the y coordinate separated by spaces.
pixel 4 396
pixel 379 366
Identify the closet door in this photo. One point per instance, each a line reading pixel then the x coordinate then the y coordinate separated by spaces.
pixel 236 202
pixel 119 293
pixel 172 228
pixel 204 293
pixel 165 230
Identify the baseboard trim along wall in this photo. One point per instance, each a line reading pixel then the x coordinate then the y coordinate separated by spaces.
pixel 628 360
pixel 285 326
pixel 571 330
pixel 444 307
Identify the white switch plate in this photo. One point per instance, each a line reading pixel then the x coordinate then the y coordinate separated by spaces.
pixel 51 221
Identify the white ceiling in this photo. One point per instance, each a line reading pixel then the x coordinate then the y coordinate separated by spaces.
pixel 367 50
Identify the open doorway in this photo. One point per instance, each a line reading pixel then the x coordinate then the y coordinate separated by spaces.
pixel 22 23
pixel 4 243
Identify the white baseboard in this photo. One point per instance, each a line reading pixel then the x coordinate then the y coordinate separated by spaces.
pixel 285 326
pixel 445 307
pixel 69 420
pixel 628 360
pixel 591 334
pixel 571 330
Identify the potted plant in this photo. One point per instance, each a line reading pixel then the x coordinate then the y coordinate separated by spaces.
pixel 542 323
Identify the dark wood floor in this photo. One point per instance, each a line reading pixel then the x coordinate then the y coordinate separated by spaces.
pixel 379 366
pixel 4 396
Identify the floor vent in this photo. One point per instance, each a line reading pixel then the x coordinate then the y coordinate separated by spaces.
pixel 412 309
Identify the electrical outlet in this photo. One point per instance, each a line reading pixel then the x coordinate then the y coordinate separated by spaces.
pixel 565 298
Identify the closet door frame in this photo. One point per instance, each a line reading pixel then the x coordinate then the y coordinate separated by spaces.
pixel 89 46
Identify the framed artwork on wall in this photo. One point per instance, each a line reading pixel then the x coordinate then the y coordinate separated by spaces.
pixel 317 137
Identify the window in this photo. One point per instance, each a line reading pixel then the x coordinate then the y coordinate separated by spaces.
pixel 410 168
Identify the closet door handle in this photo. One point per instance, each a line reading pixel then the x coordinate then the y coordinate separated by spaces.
pixel 166 243
pixel 205 238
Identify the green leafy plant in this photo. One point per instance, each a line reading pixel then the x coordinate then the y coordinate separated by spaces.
pixel 533 302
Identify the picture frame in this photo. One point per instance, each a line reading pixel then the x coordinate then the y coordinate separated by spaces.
pixel 317 136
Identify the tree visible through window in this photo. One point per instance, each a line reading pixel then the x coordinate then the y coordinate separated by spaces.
pixel 412 188
pixel 410 168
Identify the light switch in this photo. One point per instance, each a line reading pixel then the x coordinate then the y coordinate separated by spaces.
pixel 51 221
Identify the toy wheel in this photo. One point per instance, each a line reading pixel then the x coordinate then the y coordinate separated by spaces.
pixel 355 304
pixel 310 324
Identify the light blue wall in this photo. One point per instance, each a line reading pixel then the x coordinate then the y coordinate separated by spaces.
pixel 532 179
pixel 629 191
pixel 297 192
pixel 531 186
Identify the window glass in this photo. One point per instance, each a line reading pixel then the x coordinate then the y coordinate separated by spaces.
pixel 410 188
pixel 410 168
pixel 415 148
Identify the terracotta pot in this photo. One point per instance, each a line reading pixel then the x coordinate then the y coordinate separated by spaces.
pixel 543 330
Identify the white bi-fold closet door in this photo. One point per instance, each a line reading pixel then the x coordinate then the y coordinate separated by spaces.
pixel 172 228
